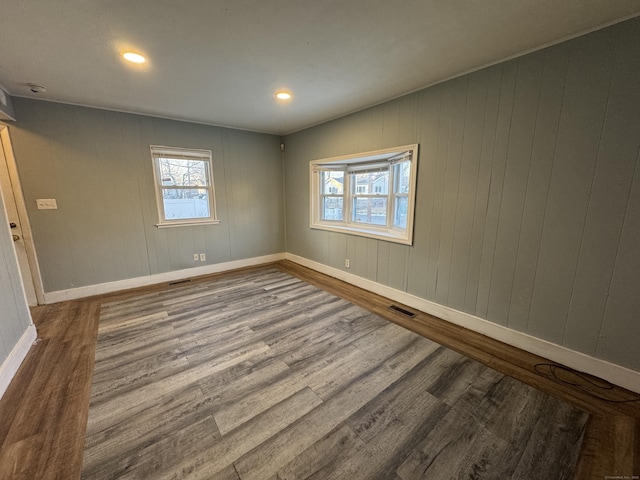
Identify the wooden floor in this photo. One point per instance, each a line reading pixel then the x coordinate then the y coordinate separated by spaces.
pixel 263 376
pixel 44 412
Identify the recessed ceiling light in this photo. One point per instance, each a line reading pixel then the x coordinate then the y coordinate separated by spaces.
pixel 283 96
pixel 133 57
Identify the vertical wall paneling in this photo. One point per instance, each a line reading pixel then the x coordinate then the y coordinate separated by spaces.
pixel 300 146
pixel 535 201
pixel 15 312
pixel 400 132
pixel 618 339
pixel 332 242
pixel 361 256
pixel 498 166
pixel 261 183
pixel 79 163
pixel 179 258
pixel 607 205
pixel 429 103
pixel 376 128
pixel 580 129
pixel 11 298
pixel 325 251
pixel 10 328
pixel 351 253
pixel 317 245
pixel 58 267
pixel 383 263
pixel 342 249
pixel 372 257
pixel 487 147
pixel 408 123
pixel 391 124
pixel 451 187
pixel 132 243
pixel 523 121
pixel 218 240
pixel 527 205
pixel 106 253
pixel 255 216
pixel 437 202
pixel 467 188
pixel 397 266
pixel 236 194
pixel 156 240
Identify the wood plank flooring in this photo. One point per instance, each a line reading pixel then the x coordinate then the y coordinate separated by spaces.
pixel 263 376
pixel 43 414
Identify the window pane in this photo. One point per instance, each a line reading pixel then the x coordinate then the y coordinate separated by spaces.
pixel 182 203
pixel 400 213
pixel 185 173
pixel 370 210
pixel 401 175
pixel 332 208
pixel 332 183
pixel 371 183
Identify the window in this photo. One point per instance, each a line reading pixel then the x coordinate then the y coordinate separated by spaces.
pixel 370 194
pixel 184 186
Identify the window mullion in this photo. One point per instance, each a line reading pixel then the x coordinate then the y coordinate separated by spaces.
pixel 346 190
pixel 185 187
pixel 319 191
pixel 345 197
pixel 390 198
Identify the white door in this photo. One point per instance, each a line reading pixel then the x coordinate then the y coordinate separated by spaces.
pixel 19 224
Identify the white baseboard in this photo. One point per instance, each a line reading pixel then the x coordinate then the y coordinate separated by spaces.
pixel 621 376
pixel 14 360
pixel 110 287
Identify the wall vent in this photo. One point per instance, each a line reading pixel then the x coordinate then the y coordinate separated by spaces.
pixel 402 311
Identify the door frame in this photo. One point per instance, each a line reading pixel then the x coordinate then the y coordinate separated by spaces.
pixel 27 236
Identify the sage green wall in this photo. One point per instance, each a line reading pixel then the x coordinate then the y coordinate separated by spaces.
pixel 15 317
pixel 97 165
pixel 528 197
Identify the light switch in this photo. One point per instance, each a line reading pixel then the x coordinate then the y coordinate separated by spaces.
pixel 46 204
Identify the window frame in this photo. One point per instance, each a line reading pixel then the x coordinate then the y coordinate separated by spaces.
pixel 383 160
pixel 158 152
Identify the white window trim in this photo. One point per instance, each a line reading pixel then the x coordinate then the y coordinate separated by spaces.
pixel 353 163
pixel 190 154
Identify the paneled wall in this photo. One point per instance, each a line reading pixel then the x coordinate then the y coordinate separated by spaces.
pixel 14 316
pixel 528 197
pixel 97 165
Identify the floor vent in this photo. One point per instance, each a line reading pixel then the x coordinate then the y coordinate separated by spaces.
pixel 180 281
pixel 402 311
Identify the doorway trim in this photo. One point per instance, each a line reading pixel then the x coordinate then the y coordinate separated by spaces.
pixel 27 236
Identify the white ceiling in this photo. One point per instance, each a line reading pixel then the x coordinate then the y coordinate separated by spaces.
pixel 220 61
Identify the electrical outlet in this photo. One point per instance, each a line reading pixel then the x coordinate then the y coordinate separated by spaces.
pixel 195 257
pixel 203 257
pixel 346 263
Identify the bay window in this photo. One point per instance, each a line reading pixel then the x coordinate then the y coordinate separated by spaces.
pixel 370 194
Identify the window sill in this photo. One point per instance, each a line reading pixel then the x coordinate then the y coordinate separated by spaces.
pixel 186 224
pixel 403 238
